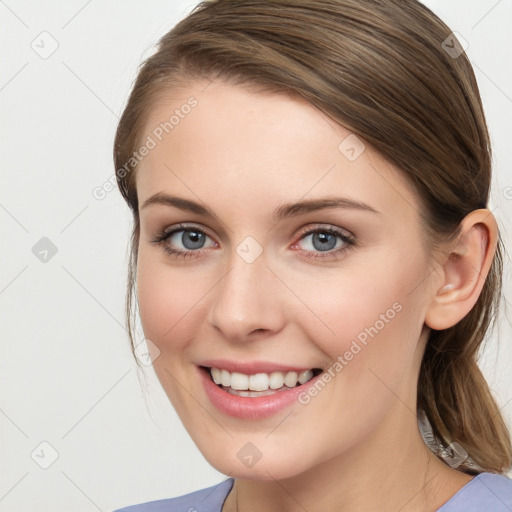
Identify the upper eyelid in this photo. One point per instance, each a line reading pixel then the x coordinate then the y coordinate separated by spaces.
pixel 180 227
pixel 327 227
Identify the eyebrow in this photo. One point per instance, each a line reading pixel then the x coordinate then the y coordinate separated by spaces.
pixel 281 212
pixel 312 205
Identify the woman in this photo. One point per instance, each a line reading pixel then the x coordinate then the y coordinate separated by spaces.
pixel 313 256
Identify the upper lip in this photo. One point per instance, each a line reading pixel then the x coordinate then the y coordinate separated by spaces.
pixel 252 367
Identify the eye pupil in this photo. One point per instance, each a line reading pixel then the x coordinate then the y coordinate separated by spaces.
pixel 192 239
pixel 327 241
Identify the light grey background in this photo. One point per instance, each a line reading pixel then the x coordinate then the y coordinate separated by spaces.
pixel 67 374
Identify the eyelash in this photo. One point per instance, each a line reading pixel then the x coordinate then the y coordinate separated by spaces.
pixel 161 238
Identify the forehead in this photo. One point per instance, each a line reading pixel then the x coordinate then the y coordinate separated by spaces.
pixel 222 142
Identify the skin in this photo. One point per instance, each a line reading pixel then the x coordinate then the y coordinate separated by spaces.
pixel 356 445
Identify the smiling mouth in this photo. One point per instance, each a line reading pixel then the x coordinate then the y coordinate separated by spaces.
pixel 259 384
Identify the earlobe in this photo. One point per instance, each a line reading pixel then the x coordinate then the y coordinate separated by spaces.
pixel 464 270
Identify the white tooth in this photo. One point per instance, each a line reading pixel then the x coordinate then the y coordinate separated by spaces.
pixel 258 382
pixel 276 380
pixel 216 374
pixel 239 381
pixel 305 376
pixel 291 379
pixel 225 378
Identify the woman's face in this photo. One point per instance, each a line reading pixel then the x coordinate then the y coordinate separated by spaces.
pixel 299 249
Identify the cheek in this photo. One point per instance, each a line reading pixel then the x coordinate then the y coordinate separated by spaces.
pixel 169 302
pixel 376 323
pixel 371 315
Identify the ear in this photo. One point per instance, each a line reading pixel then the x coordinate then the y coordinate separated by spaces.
pixel 464 271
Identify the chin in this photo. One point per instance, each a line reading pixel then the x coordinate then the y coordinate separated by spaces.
pixel 276 467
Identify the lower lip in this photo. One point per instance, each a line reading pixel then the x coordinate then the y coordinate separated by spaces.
pixel 251 407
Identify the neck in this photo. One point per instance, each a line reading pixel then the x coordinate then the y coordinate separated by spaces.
pixel 392 470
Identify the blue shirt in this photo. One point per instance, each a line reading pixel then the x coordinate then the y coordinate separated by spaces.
pixel 486 492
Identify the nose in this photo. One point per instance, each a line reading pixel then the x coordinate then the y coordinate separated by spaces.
pixel 247 303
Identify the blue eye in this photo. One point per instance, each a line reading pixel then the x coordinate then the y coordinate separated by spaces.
pixel 188 241
pixel 322 240
pixel 325 242
pixel 191 238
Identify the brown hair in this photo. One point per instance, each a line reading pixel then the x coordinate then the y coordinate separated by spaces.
pixel 392 73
